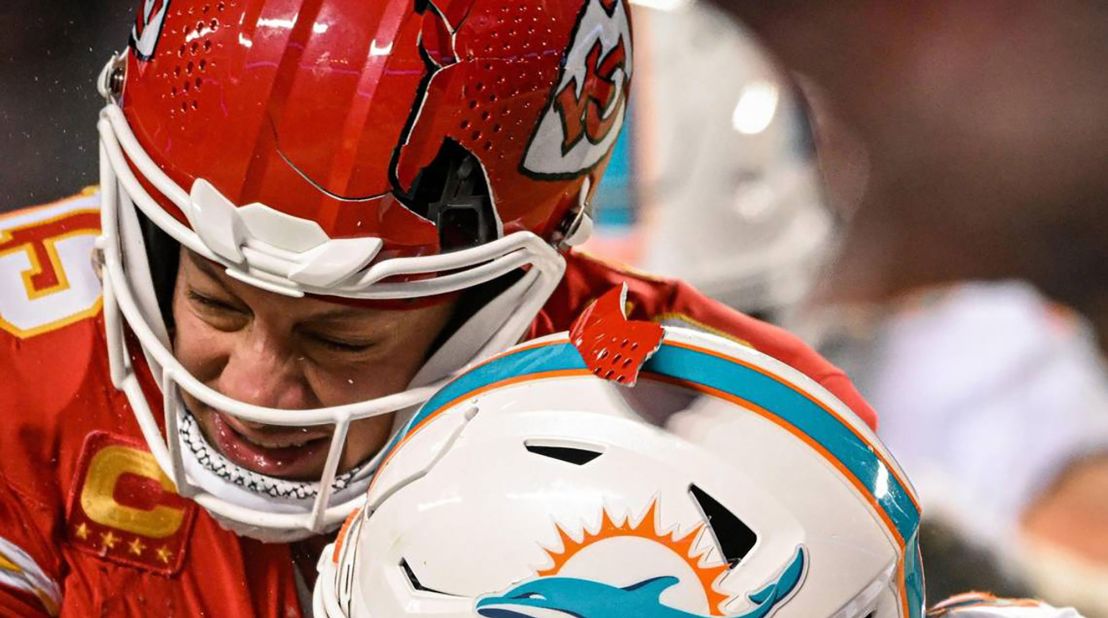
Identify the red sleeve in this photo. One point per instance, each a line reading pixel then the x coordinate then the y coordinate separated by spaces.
pixel 674 302
pixel 700 311
pixel 20 604
pixel 48 333
pixel 30 564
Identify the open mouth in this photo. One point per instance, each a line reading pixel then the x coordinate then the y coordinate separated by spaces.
pixel 297 453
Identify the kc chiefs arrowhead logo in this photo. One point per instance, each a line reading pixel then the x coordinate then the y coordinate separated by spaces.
pixel 588 110
pixel 148 27
pixel 582 118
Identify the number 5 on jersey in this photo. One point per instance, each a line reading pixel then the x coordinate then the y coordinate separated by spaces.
pixel 46 274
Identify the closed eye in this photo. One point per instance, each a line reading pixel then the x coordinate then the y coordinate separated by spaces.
pixel 531 595
pixel 212 303
pixel 338 345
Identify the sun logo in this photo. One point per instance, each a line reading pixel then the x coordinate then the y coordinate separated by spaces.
pixel 636 569
pixel 613 542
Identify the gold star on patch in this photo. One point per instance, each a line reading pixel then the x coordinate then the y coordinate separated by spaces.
pixel 136 546
pixel 164 554
pixel 109 539
pixel 82 531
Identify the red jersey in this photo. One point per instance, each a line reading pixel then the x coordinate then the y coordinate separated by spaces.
pixel 90 526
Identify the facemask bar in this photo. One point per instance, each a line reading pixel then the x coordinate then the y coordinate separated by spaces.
pixel 866 600
pixel 369 285
pixel 466 268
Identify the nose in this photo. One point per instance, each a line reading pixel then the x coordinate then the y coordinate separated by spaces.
pixel 261 370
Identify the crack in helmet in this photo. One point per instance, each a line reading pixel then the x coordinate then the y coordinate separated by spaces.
pixel 724 483
pixel 370 151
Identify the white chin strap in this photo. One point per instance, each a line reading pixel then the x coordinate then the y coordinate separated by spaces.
pixel 258 506
pixel 231 484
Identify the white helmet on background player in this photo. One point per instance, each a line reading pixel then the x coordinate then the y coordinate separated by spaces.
pixel 728 164
pixel 723 483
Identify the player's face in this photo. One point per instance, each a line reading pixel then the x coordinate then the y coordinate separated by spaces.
pixel 292 353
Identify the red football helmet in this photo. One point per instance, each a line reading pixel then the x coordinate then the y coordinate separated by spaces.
pixel 392 149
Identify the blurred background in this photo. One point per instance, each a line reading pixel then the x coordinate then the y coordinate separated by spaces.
pixel 50 55
pixel 919 191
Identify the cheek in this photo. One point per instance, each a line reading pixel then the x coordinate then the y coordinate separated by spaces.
pixel 197 346
pixel 390 370
pixel 365 438
pixel 384 376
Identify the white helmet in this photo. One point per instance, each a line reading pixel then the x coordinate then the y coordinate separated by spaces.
pixel 729 165
pixel 723 484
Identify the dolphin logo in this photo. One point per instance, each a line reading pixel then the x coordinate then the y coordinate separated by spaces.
pixel 569 597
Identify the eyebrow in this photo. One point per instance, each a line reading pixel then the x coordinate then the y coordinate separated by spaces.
pixel 207 267
pixel 338 313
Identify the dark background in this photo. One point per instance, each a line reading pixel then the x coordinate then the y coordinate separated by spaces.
pixel 50 54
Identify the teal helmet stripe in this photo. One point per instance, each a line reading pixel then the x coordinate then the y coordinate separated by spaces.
pixel 769 393
pixel 556 356
pixel 698 367
pixel 797 409
pixel 913 577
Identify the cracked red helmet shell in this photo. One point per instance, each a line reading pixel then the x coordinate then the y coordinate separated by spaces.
pixel 329 110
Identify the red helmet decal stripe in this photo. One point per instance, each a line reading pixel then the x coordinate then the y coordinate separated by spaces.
pixel 453 11
pixel 148 27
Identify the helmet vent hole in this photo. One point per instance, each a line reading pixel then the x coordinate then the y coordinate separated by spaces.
pixel 733 537
pixel 413 580
pixel 577 454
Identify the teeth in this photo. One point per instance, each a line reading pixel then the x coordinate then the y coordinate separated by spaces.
pixel 290 441
pixel 276 444
pixel 285 444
